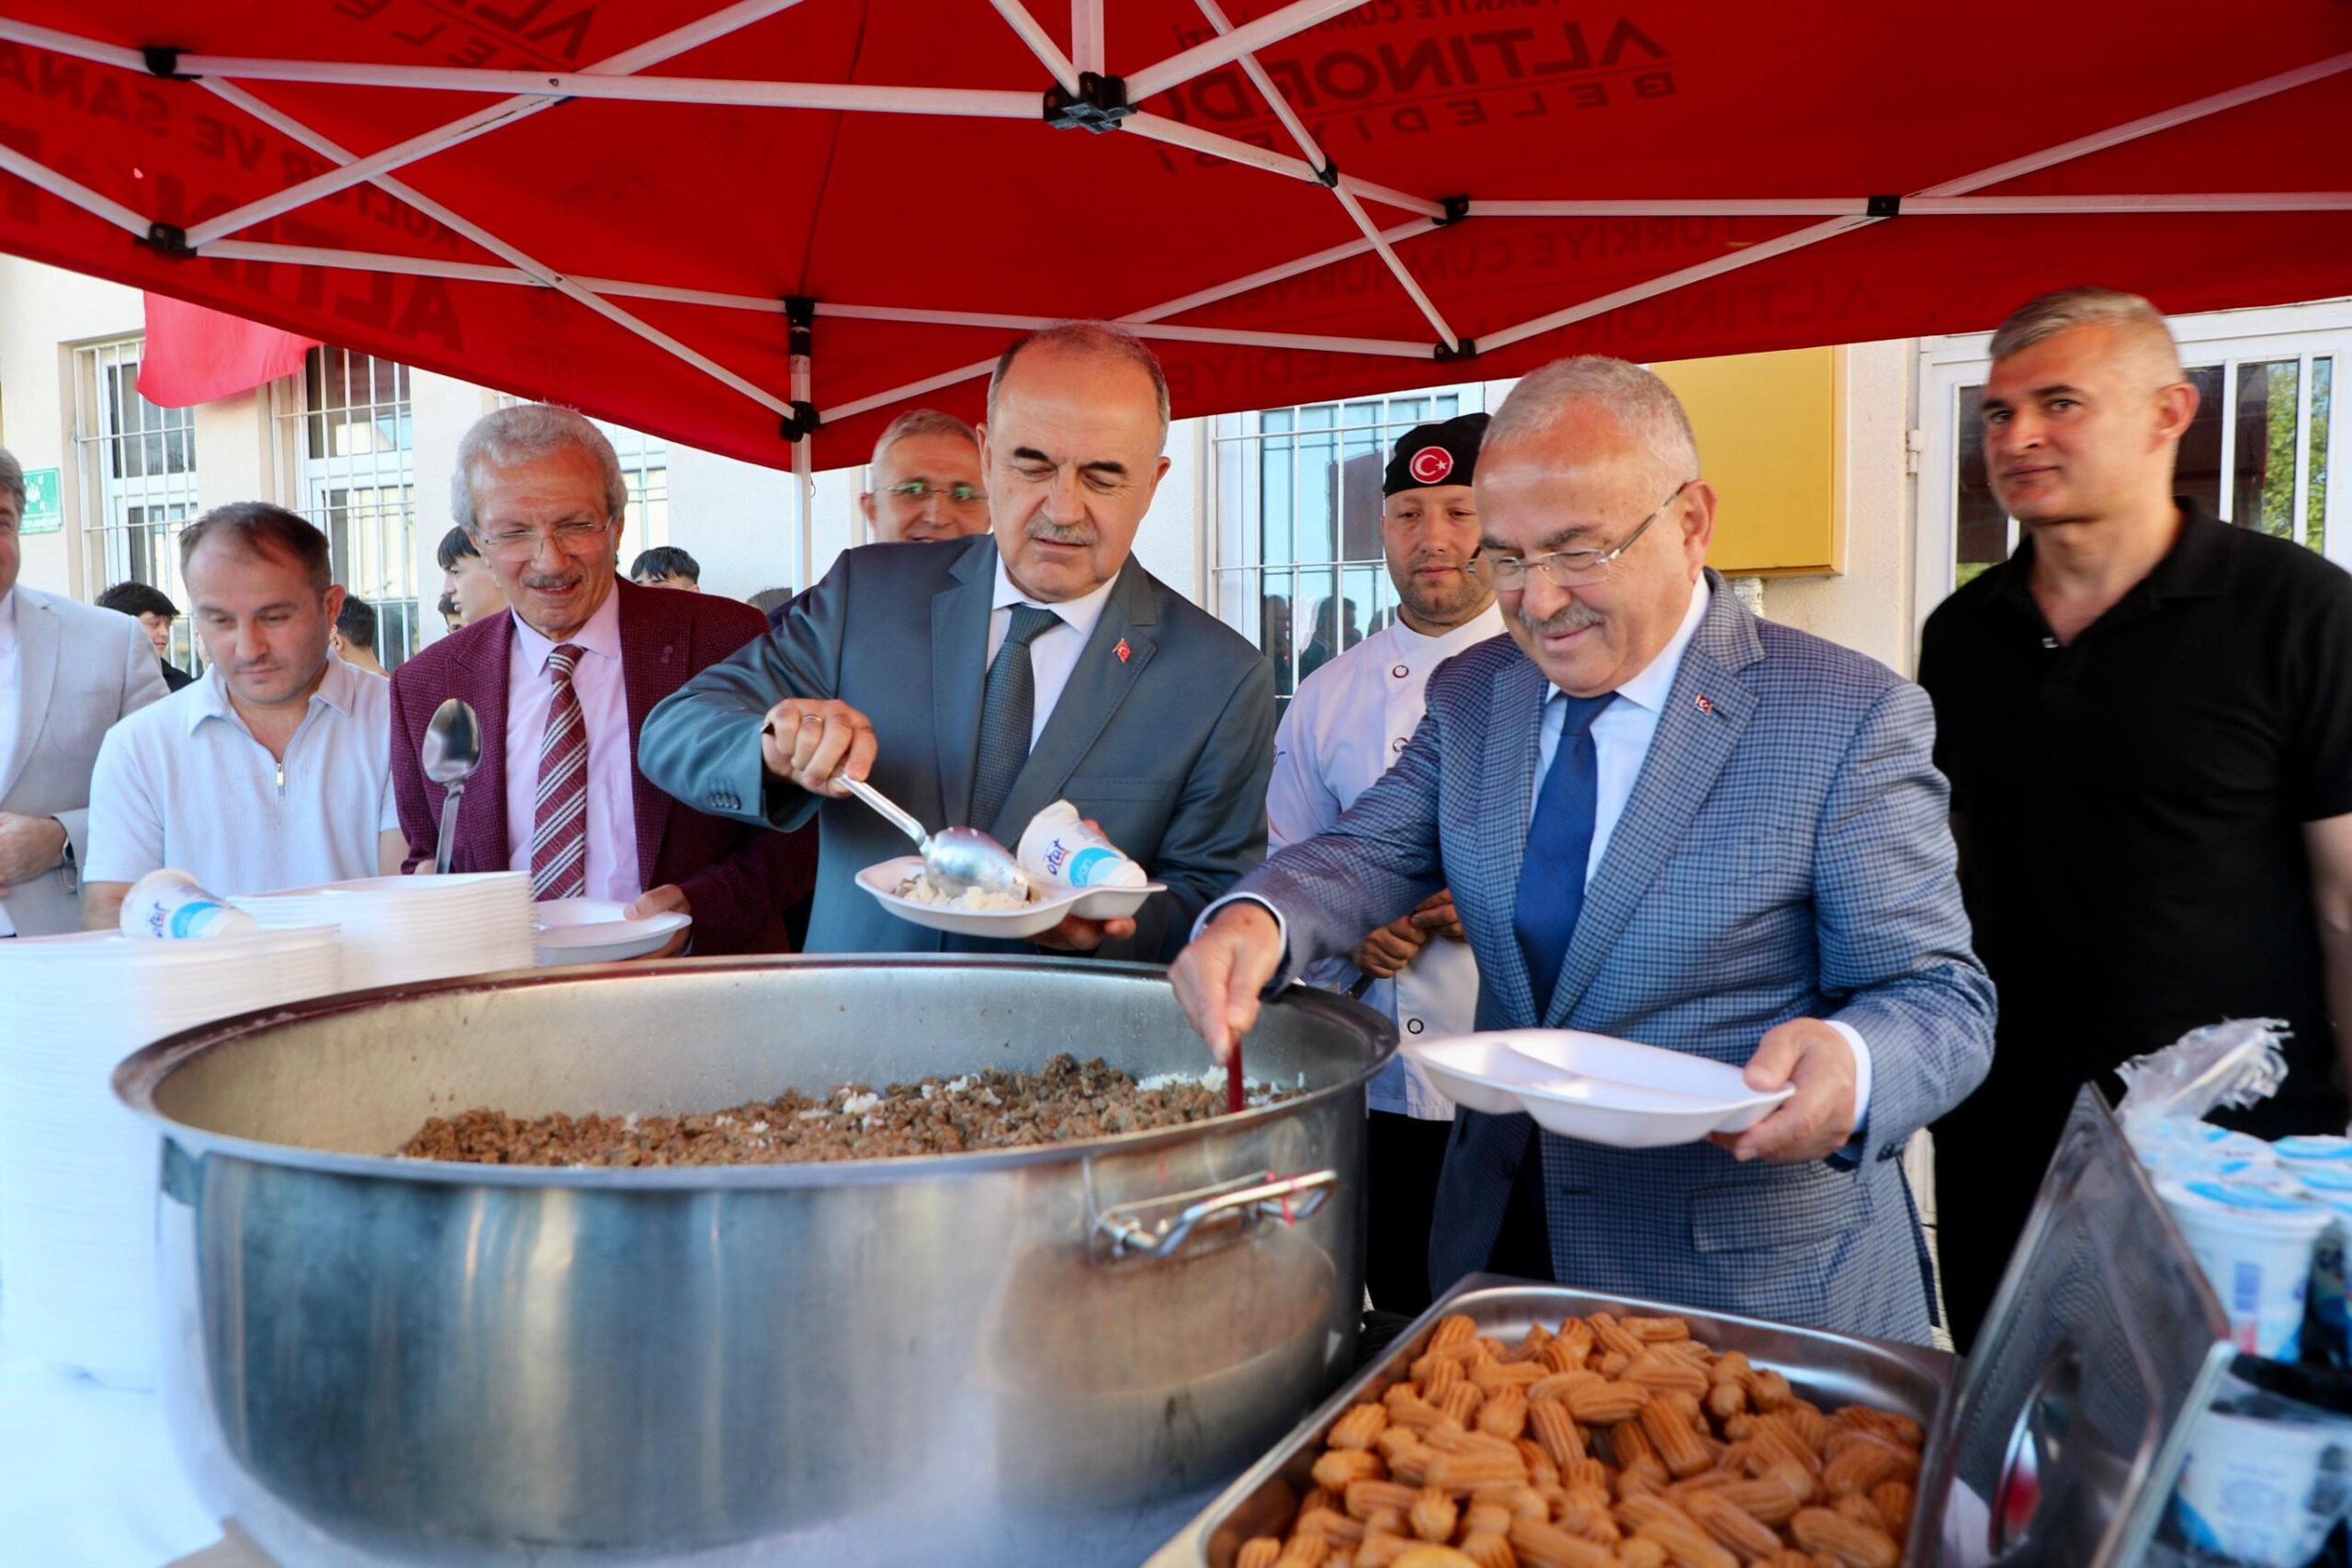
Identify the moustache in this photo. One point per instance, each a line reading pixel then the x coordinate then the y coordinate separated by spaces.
pixel 1445 563
pixel 1057 534
pixel 559 584
pixel 1573 616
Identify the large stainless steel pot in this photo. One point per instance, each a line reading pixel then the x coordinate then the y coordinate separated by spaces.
pixel 1036 1356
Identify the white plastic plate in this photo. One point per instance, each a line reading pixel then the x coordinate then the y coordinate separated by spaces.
pixel 1114 903
pixel 1594 1088
pixel 591 930
pixel 1037 915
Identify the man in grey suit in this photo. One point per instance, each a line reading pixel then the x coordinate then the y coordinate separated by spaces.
pixel 978 681
pixel 1666 820
pixel 67 672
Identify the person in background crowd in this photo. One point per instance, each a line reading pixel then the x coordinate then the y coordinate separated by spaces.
pixel 2144 717
pixel 1736 846
pixel 469 590
pixel 560 683
pixel 450 620
pixel 1345 728
pixel 927 481
pixel 768 600
pixel 67 672
pixel 271 771
pixel 353 637
pixel 666 565
pixel 998 673
pixel 154 612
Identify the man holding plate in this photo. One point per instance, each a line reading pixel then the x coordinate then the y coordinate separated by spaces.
pixel 1666 820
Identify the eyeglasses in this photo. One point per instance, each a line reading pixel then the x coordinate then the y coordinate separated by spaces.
pixel 920 490
pixel 522 544
pixel 1573 569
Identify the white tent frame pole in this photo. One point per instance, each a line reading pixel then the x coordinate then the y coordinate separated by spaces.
pixel 73 192
pixel 804 478
pixel 327 147
pixel 1247 39
pixel 676 41
pixel 1176 134
pixel 1322 160
pixel 1041 44
pixel 73 44
pixel 981 103
pixel 1087 42
pixel 2081 146
pixel 912 390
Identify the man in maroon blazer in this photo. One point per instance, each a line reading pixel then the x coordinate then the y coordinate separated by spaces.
pixel 561 683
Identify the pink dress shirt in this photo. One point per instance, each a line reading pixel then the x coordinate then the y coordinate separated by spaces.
pixel 612 870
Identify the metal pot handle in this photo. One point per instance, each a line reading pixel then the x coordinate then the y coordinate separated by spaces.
pixel 1165 1228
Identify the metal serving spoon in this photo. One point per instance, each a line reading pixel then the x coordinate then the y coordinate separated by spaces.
pixel 452 752
pixel 954 858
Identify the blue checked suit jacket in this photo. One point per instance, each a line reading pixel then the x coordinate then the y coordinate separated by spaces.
pixel 1785 853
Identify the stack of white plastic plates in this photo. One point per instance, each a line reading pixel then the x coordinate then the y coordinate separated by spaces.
pixel 1591 1087
pixel 78 1171
pixel 399 930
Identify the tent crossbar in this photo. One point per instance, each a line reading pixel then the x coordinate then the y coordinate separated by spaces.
pixel 653 51
pixel 912 390
pixel 13 31
pixel 1041 43
pixel 1315 156
pixel 1247 39
pixel 327 147
pixel 73 192
pixel 1277 273
pixel 1736 207
pixel 1007 322
pixel 371 261
pixel 1086 37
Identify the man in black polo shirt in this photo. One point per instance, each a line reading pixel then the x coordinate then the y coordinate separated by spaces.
pixel 2146 718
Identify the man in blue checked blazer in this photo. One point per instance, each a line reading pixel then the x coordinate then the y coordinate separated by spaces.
pixel 1666 820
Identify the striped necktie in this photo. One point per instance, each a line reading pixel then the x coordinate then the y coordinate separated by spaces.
pixel 560 819
pixel 1008 713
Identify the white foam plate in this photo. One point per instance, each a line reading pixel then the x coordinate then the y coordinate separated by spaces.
pixel 1114 903
pixel 594 931
pixel 1037 915
pixel 1594 1088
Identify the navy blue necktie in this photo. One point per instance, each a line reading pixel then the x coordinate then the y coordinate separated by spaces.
pixel 1559 843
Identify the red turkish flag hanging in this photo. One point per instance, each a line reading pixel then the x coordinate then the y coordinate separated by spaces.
pixel 195 355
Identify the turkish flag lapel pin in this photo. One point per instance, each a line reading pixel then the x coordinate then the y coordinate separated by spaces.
pixel 1122 650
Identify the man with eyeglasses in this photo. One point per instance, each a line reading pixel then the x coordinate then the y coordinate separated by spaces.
pixel 562 681
pixel 927 481
pixel 1666 820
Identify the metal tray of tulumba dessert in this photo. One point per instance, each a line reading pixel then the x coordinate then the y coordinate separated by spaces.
pixel 1830 1370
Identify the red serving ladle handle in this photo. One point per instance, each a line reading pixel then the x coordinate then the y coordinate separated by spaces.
pixel 1233 1097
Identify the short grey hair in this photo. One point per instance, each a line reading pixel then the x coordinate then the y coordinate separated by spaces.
pixel 2064 309
pixel 522 434
pixel 1645 405
pixel 1088 337
pixel 12 477
pixel 921 421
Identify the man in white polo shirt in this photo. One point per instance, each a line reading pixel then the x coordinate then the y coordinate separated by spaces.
pixel 1351 719
pixel 272 772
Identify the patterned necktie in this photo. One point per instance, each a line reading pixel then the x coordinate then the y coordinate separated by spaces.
pixel 1559 844
pixel 560 819
pixel 1008 712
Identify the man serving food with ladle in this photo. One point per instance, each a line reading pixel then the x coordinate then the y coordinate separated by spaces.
pixel 974 682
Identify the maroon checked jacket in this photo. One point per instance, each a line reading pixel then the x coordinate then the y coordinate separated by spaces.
pixel 738 879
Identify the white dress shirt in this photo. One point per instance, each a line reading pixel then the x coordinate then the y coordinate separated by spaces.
pixel 611 871
pixel 11 705
pixel 183 784
pixel 1342 732
pixel 1053 653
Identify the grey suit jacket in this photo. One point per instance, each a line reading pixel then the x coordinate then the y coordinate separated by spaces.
pixel 1784 854
pixel 1169 746
pixel 79 669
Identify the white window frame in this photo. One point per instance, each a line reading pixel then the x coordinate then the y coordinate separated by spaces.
pixel 2303 332
pixel 386 574
pixel 108 502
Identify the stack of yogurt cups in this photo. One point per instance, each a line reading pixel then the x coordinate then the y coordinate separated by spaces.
pixel 2267 1222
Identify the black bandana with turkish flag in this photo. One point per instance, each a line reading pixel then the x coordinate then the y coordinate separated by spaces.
pixel 1442 453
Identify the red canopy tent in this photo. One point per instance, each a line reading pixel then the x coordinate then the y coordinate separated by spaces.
pixel 763 229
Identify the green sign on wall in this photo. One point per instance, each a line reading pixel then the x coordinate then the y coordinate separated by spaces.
pixel 44 514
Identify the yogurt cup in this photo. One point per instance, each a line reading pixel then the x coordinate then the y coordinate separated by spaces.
pixel 169 906
pixel 2320 1153
pixel 2256 1247
pixel 2263 1493
pixel 1059 848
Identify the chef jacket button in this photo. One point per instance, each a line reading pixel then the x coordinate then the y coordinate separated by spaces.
pixel 1412 1026
pixel 1400 671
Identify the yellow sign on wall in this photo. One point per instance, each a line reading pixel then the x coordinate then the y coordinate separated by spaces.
pixel 1767 426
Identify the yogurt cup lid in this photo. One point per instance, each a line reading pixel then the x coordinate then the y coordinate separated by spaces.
pixel 2326 1179
pixel 2315 1150
pixel 2246 1203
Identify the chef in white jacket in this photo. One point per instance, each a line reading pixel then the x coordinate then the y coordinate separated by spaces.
pixel 1345 726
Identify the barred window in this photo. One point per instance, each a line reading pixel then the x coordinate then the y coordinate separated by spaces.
pixel 354 450
pixel 137 464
